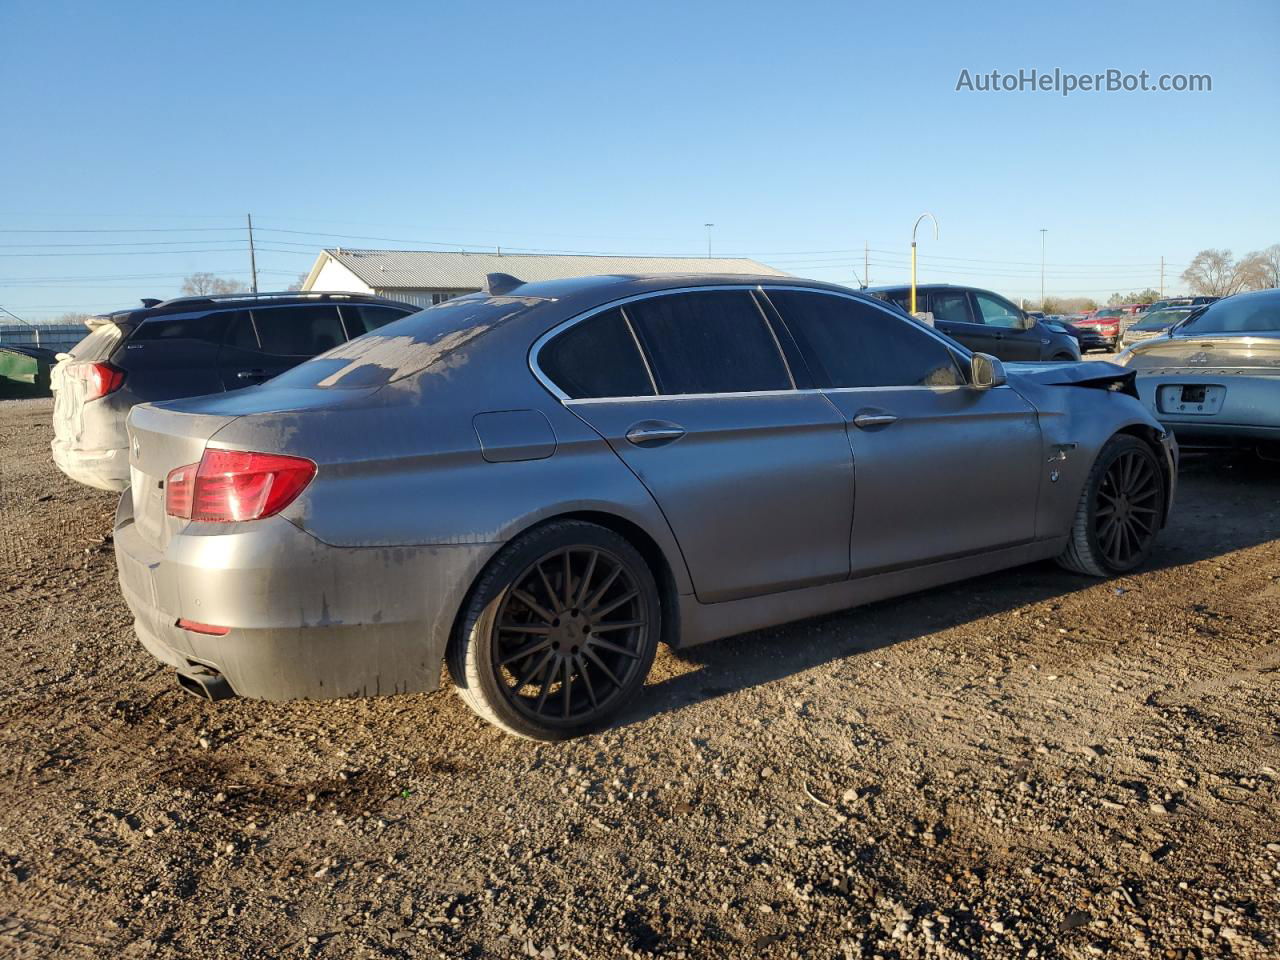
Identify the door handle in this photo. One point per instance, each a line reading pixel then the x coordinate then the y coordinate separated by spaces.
pixel 865 421
pixel 250 374
pixel 654 433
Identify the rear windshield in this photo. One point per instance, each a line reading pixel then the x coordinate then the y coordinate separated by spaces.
pixel 99 344
pixel 1105 314
pixel 1252 313
pixel 435 337
pixel 1161 319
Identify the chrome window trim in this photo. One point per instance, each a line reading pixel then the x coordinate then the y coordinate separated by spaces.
pixel 536 348
pixel 806 391
pixel 563 325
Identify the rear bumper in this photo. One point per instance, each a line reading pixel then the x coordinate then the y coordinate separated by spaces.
pixel 106 469
pixel 1250 409
pixel 306 620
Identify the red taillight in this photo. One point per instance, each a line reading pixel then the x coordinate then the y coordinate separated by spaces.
pixel 99 378
pixel 205 628
pixel 232 485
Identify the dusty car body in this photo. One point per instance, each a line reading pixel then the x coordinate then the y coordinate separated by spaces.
pixel 186 347
pixel 1215 379
pixel 727 491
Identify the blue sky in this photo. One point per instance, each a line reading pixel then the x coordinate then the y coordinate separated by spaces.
pixel 801 130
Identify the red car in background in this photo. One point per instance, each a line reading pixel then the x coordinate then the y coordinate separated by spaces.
pixel 1110 322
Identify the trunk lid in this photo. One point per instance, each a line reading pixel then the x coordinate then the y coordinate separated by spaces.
pixel 1228 355
pixel 160 440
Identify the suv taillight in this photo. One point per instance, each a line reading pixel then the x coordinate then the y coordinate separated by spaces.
pixel 99 378
pixel 227 486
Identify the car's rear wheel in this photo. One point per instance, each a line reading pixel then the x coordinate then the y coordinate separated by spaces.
pixel 1119 512
pixel 559 633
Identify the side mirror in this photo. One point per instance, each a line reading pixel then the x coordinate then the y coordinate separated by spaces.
pixel 986 371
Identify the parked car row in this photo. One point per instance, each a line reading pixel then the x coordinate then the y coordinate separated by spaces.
pixel 538 483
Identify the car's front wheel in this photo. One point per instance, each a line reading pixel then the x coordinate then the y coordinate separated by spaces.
pixel 559 633
pixel 1119 512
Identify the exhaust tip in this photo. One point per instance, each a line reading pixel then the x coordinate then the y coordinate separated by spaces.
pixel 206 684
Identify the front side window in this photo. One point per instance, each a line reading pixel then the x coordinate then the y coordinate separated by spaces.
pixel 303 331
pixel 998 313
pixel 849 343
pixel 712 341
pixel 596 358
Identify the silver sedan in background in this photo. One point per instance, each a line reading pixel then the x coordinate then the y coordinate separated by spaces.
pixel 1215 378
pixel 538 483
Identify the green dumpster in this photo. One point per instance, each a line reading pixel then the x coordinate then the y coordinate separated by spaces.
pixel 24 371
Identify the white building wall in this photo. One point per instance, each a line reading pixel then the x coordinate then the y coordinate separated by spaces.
pixel 335 278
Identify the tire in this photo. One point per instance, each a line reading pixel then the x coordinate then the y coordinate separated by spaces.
pixel 1061 358
pixel 524 628
pixel 1119 512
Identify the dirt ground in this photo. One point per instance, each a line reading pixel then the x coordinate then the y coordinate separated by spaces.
pixel 1027 765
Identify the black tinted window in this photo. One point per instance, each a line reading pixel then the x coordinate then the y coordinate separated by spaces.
pixel 363 317
pixel 712 342
pixel 240 333
pixel 298 331
pixel 597 358
pixel 208 327
pixel 853 344
pixel 950 306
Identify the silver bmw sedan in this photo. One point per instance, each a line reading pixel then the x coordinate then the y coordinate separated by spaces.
pixel 538 483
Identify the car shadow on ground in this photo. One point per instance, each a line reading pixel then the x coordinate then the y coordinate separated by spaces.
pixel 1223 504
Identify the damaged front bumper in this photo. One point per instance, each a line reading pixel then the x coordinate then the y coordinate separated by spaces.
pixel 303 619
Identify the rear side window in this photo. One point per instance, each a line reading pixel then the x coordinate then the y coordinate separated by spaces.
pixel 597 358
pixel 853 344
pixel 361 318
pixel 298 331
pixel 206 327
pixel 950 307
pixel 715 341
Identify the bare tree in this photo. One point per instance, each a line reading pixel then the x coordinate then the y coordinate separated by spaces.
pixel 1213 273
pixel 1263 268
pixel 300 282
pixel 74 318
pixel 208 285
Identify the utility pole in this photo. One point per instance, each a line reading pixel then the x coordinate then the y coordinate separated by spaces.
pixel 708 226
pixel 1043 231
pixel 1162 278
pixel 253 262
pixel 866 263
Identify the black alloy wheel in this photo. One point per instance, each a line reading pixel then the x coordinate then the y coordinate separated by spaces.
pixel 560 632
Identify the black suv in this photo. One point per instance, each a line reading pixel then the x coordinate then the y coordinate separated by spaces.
pixel 184 348
pixel 984 322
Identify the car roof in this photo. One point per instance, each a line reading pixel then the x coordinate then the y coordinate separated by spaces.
pixel 239 301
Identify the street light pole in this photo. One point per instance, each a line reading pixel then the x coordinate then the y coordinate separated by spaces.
pixel 708 226
pixel 1043 231
pixel 913 253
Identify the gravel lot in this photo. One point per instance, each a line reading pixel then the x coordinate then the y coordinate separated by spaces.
pixel 1032 764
